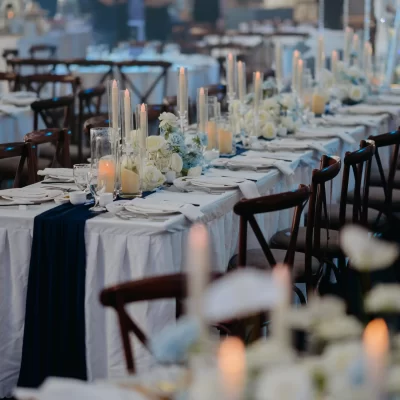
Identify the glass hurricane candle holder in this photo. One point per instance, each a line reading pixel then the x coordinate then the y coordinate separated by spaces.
pixel 225 137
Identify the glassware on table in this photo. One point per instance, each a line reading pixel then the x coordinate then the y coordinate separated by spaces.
pixel 103 167
pixel 81 172
pixel 212 125
pixel 318 102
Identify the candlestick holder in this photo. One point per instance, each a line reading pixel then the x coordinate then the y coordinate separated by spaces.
pixel 183 121
pixel 231 98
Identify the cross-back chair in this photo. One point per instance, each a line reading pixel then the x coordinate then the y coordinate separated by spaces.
pixel 162 76
pixel 314 240
pixel 358 165
pixel 385 198
pixel 51 50
pixel 266 258
pixel 89 106
pixel 148 289
pixel 45 65
pixel 58 138
pixel 82 62
pixel 12 80
pixel 9 54
pixel 41 83
pixel 15 160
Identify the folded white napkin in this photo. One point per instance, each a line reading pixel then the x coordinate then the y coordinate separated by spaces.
pixel 350 120
pixel 8 109
pixel 382 99
pixel 278 155
pixel 322 132
pixel 293 144
pixel 60 173
pixel 251 175
pixel 188 210
pixel 19 99
pixel 368 109
pixel 249 189
pixel 29 195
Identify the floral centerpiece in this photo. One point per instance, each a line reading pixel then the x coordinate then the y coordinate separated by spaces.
pixel 172 152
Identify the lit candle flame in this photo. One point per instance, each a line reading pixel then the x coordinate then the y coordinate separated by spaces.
pixel 181 71
pixel 127 95
pixel 201 91
pixel 230 57
pixel 376 338
pixel 232 367
pixel 114 85
pixel 143 108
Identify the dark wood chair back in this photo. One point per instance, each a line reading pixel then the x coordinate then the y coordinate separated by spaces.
pixel 9 54
pixel 218 90
pixel 359 162
pixel 59 138
pixel 162 76
pixel 18 65
pixel 384 140
pixel 247 209
pixel 39 83
pixel 148 289
pixel 24 151
pixel 12 79
pixel 100 121
pixel 89 106
pixel 55 113
pixel 43 48
pixel 329 169
pixel 81 62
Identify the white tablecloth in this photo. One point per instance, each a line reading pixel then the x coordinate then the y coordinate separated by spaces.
pixel 139 249
pixel 14 126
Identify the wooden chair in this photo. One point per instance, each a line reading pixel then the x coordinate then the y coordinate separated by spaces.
pixel 39 83
pixel 15 160
pixel 265 258
pixel 81 62
pixel 385 198
pixel 359 162
pixel 46 66
pixel 162 76
pixel 59 138
pixel 12 80
pixel 89 106
pixel 148 289
pixel 43 48
pixel 9 54
pixel 217 90
pixel 313 240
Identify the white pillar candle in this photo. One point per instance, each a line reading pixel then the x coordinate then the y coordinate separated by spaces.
pixel 279 327
pixel 230 71
pixel 348 40
pixel 182 92
pixel 130 181
pixel 334 64
pixel 198 273
pixel 232 368
pixel 241 80
pixel 127 115
pixel 299 79
pixel 201 109
pixel 143 122
pixel 320 57
pixel 115 105
pixel 295 58
pixel 278 62
pixel 257 90
pixel 376 347
pixel 106 174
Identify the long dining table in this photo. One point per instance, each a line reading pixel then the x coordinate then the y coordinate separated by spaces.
pixel 119 250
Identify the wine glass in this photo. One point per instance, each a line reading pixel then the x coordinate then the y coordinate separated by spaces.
pixel 80 172
pixel 102 174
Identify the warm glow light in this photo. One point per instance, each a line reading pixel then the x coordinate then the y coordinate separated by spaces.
pixel 376 339
pixel 181 71
pixel 258 75
pixel 232 367
pixel 115 85
pixel 198 236
pixel 202 91
pixel 230 57
pixel 143 108
pixel 127 93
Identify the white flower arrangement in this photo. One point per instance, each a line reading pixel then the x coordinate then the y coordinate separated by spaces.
pixel 171 152
pixel 383 299
pixel 339 328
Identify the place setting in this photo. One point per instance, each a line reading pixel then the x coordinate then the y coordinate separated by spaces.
pixel 27 196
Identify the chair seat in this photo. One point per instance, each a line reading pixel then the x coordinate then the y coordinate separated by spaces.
pixel 281 240
pixel 376 199
pixel 334 223
pixel 376 180
pixel 256 258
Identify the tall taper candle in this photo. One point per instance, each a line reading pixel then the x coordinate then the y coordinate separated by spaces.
pixel 367 58
pixel 346 8
pixel 241 80
pixel 299 80
pixel 182 92
pixel 198 273
pixel 278 62
pixel 127 114
pixel 320 57
pixel 295 58
pixel 257 90
pixel 143 126
pixel 367 20
pixel 334 64
pixel 321 16
pixel 348 40
pixel 356 49
pixel 201 107
pixel 115 105
pixel 230 72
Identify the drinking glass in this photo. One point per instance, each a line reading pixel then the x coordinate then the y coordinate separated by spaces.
pixel 102 175
pixel 81 176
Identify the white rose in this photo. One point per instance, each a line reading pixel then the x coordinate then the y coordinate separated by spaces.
pixel 383 298
pixel 155 143
pixel 326 78
pixel 355 72
pixel 268 130
pixel 176 162
pixel 236 107
pixel 338 357
pixel 367 253
pixel 282 131
pixel 195 171
pixel 152 177
pixel 288 101
pixel 356 93
pixel 288 123
pixel 339 328
pixel 168 119
pixel 271 104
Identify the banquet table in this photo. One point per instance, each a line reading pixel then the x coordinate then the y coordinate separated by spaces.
pixel 119 250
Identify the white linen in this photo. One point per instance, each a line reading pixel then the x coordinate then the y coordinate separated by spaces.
pixel 311 133
pixel 372 121
pixel 118 250
pixel 59 173
pixel 369 109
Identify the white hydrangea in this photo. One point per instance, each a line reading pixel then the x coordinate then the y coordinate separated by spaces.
pixel 168 120
pixel 356 93
pixel 155 143
pixel 339 328
pixel 194 172
pixel 152 177
pixel 383 298
pixel 176 162
pixel 268 130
